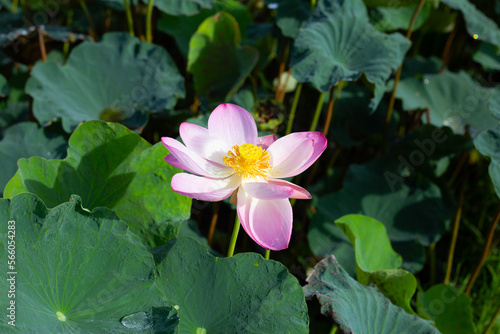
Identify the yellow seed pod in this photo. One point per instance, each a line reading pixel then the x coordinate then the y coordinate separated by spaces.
pixel 250 151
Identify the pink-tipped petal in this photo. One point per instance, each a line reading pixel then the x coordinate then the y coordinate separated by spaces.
pixel 204 188
pixel 233 124
pixel 267 191
pixel 191 161
pixel 266 141
pixel 197 138
pixel 298 192
pixel 293 159
pixel 268 223
pixel 288 149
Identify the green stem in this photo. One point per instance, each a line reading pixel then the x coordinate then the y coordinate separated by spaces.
pixel 398 75
pixel 492 322
pixel 89 18
pixel 313 5
pixel 149 16
pixel 14 6
pixel 455 232
pixel 234 236
pixel 268 254
pixel 294 108
pixel 130 20
pixel 66 45
pixel 319 106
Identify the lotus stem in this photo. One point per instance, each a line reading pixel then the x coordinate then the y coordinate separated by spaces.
pixel 284 56
pixel 268 254
pixel 14 6
pixel 294 108
pixel 234 236
pixel 398 75
pixel 89 18
pixel 149 18
pixel 492 322
pixel 319 106
pixel 486 253
pixel 445 57
pixel 213 223
pixel 455 232
pixel 41 41
pixel 130 20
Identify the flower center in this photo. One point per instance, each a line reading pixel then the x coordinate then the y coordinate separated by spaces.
pixel 249 161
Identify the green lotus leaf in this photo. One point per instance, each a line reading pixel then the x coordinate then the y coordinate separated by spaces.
pixel 75 271
pixel 25 140
pixel 412 211
pixel 110 166
pixel 14 112
pixel 396 284
pixel 217 61
pixel 372 247
pixel 339 44
pixel 290 14
pixel 488 143
pixel 450 309
pixel 488 57
pixel 183 27
pixel 386 3
pixel 184 7
pixel 4 86
pixel 119 79
pixel 453 99
pixel 240 294
pixel 478 25
pixel 395 18
pixel 356 308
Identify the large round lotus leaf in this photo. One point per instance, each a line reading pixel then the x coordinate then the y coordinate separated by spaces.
pixel 356 308
pixel 110 166
pixel 476 22
pixel 413 214
pixel 28 139
pixel 183 27
pixel 453 99
pixel 488 143
pixel 75 271
pixel 184 7
pixel 450 309
pixel 217 61
pixel 241 294
pixel 118 79
pixel 338 43
pixel 290 14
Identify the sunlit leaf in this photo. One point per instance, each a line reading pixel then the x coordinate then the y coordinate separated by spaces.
pixel 110 166
pixel 25 140
pixel 240 294
pixel 356 308
pixel 76 271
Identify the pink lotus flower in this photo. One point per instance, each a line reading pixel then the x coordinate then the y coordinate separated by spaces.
pixel 231 159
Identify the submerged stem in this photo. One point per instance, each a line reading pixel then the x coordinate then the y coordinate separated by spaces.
pixel 234 236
